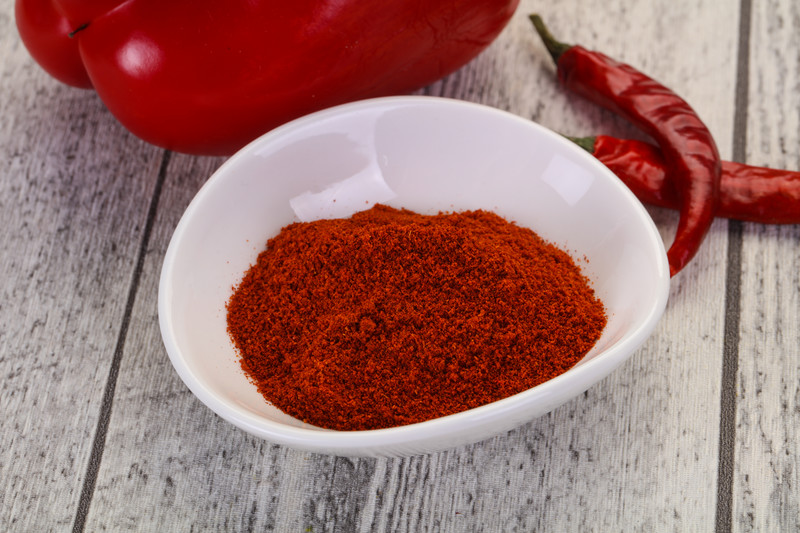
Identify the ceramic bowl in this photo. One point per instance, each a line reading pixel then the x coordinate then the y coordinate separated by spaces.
pixel 429 155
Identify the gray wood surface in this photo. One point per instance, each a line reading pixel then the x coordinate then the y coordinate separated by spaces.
pixel 767 475
pixel 698 431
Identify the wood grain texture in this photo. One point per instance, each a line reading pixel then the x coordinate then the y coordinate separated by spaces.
pixel 766 496
pixel 636 452
pixel 634 439
pixel 73 195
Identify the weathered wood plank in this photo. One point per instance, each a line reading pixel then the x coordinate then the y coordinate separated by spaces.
pixel 766 496
pixel 73 195
pixel 615 458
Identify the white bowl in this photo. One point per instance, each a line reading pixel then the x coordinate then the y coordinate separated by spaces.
pixel 428 155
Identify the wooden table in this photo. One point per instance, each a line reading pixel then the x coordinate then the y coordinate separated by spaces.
pixel 698 431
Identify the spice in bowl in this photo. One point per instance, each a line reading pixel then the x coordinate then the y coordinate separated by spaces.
pixel 390 317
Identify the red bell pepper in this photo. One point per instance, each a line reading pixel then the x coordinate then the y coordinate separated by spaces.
pixel 208 76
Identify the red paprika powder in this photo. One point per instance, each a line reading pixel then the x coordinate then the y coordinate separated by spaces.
pixel 391 317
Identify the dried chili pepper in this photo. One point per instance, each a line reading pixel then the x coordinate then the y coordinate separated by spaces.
pixel 392 317
pixel 749 193
pixel 687 145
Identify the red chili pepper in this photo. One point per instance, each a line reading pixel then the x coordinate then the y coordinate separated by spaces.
pixel 207 76
pixel 687 145
pixel 749 193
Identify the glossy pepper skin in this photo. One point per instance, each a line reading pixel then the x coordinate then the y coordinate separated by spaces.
pixel 749 193
pixel 206 77
pixel 687 145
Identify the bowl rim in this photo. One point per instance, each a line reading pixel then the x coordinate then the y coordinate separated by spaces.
pixel 369 442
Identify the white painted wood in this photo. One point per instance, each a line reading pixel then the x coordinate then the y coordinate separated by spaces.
pixel 74 191
pixel 767 477
pixel 609 442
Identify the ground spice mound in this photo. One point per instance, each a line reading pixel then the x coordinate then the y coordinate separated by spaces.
pixel 392 317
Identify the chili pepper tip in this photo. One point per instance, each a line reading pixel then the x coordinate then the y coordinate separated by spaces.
pixel 555 47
